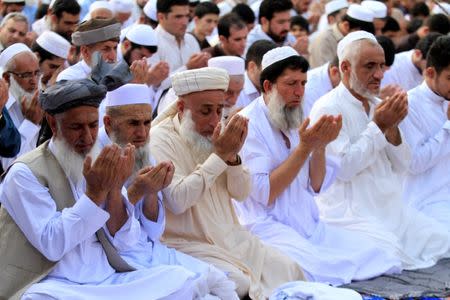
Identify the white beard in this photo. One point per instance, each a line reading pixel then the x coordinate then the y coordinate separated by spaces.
pixel 356 85
pixel 141 154
pixel 18 92
pixel 281 116
pixel 70 161
pixel 201 146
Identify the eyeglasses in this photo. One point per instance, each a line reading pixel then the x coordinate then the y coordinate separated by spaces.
pixel 27 75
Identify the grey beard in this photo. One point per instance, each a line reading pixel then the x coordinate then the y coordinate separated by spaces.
pixel 281 116
pixel 201 146
pixel 141 154
pixel 18 92
pixel 71 162
pixel 356 85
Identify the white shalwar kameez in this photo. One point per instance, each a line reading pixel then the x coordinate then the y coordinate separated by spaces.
pixel 427 131
pixel 403 72
pixel 149 252
pixel 82 270
pixel 248 94
pixel 367 194
pixel 318 84
pixel 327 253
pixel 29 131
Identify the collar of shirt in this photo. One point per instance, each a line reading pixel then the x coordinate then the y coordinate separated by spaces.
pixel 345 95
pixel 249 87
pixel 336 32
pixel 431 96
pixel 162 33
pixel 326 77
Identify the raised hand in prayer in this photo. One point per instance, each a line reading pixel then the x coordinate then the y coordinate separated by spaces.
pixel 157 73
pixel 101 175
pixel 319 135
pixel 228 143
pixel 389 91
pixel 301 45
pixel 391 111
pixel 125 165
pixel 151 180
pixel 31 109
pixel 139 70
pixel 198 60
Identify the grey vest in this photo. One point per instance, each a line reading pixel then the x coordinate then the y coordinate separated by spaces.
pixel 21 264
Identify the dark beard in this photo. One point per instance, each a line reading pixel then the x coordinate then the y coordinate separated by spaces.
pixel 276 38
pixel 67 36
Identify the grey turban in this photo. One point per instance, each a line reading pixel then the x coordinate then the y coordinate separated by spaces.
pixel 96 35
pixel 65 95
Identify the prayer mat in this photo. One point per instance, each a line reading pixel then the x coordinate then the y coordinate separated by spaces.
pixel 429 283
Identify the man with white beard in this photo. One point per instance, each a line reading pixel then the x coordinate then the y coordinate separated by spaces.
pixel 65 216
pixel 288 165
pixel 127 121
pixel 20 69
pixel 367 194
pixel 201 220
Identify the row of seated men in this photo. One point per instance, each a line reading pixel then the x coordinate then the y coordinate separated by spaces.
pixel 317 200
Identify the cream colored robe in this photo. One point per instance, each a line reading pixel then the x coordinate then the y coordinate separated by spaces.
pixel 201 220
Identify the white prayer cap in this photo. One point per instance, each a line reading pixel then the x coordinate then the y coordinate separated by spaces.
pixel 52 2
pixel 335 5
pixel 198 80
pixel 150 10
pixel 442 8
pixel 10 52
pixel 142 35
pixel 379 9
pixel 54 43
pixel 128 94
pixel 234 65
pixel 276 55
pixel 122 6
pixel 350 38
pixel 101 4
pixel 359 12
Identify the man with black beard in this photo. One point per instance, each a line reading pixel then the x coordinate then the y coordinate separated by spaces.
pixel 127 121
pixel 21 71
pixel 274 24
pixel 288 165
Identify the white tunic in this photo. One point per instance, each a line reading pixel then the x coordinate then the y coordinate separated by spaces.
pixel 68 237
pixel 318 84
pixel 29 131
pixel 176 55
pixel 292 223
pixel 80 70
pixel 427 131
pixel 403 72
pixel 248 93
pixel 367 194
pixel 149 252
